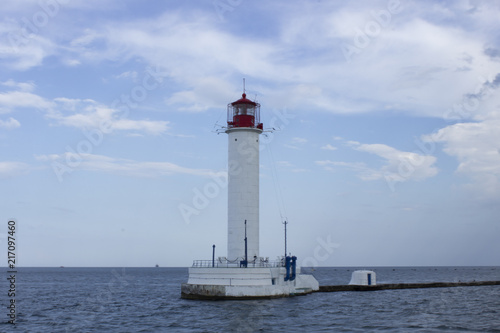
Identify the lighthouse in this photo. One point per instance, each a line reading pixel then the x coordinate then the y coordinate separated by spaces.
pixel 243 273
pixel 243 129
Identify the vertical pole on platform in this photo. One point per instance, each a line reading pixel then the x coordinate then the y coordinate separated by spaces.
pixel 285 223
pixel 213 255
pixel 246 248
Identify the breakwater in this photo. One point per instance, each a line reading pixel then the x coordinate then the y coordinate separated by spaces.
pixel 389 286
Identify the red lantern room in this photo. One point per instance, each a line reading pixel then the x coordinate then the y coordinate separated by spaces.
pixel 243 113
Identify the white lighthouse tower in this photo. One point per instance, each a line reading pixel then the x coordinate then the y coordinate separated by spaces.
pixel 243 129
pixel 243 273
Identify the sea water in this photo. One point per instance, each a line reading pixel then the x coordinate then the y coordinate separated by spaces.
pixel 148 300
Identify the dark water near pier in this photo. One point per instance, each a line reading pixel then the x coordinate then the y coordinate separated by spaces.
pixel 148 300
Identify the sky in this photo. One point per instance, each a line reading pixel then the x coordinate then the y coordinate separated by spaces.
pixel 381 142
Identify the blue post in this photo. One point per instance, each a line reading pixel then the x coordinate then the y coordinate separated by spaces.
pixel 287 266
pixel 294 264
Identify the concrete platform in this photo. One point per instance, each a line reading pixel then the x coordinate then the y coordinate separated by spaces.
pixel 245 283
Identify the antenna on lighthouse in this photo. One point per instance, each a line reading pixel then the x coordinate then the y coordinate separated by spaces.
pixel 244 91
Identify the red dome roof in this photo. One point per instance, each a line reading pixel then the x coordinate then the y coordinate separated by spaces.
pixel 244 100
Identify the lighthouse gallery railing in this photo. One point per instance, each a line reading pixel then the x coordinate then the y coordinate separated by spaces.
pixel 226 264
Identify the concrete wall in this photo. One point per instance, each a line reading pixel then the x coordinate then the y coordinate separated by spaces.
pixel 230 276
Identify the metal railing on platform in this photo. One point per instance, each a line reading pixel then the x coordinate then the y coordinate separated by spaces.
pixel 224 263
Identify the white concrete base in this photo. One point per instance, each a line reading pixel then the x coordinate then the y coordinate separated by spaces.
pixel 245 283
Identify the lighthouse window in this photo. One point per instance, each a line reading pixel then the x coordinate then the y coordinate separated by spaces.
pixel 235 139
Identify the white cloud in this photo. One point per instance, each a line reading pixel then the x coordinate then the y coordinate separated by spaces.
pixel 148 126
pixel 22 99
pixel 188 48
pixel 363 171
pixel 415 57
pixel 476 146
pixel 290 167
pixel 207 92
pixel 45 158
pixel 296 143
pixel 10 123
pixel 299 140
pixel 90 114
pixel 404 67
pixel 79 113
pixel 291 146
pixel 10 169
pixel 352 143
pixel 71 62
pixel 399 166
pixel 23 86
pixel 126 75
pixel 100 163
pixel 86 39
pixel 22 49
pixel 329 147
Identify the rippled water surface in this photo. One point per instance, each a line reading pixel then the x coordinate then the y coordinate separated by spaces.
pixel 148 300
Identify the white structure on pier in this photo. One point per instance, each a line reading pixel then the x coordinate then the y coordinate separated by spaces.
pixel 243 273
pixel 363 278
